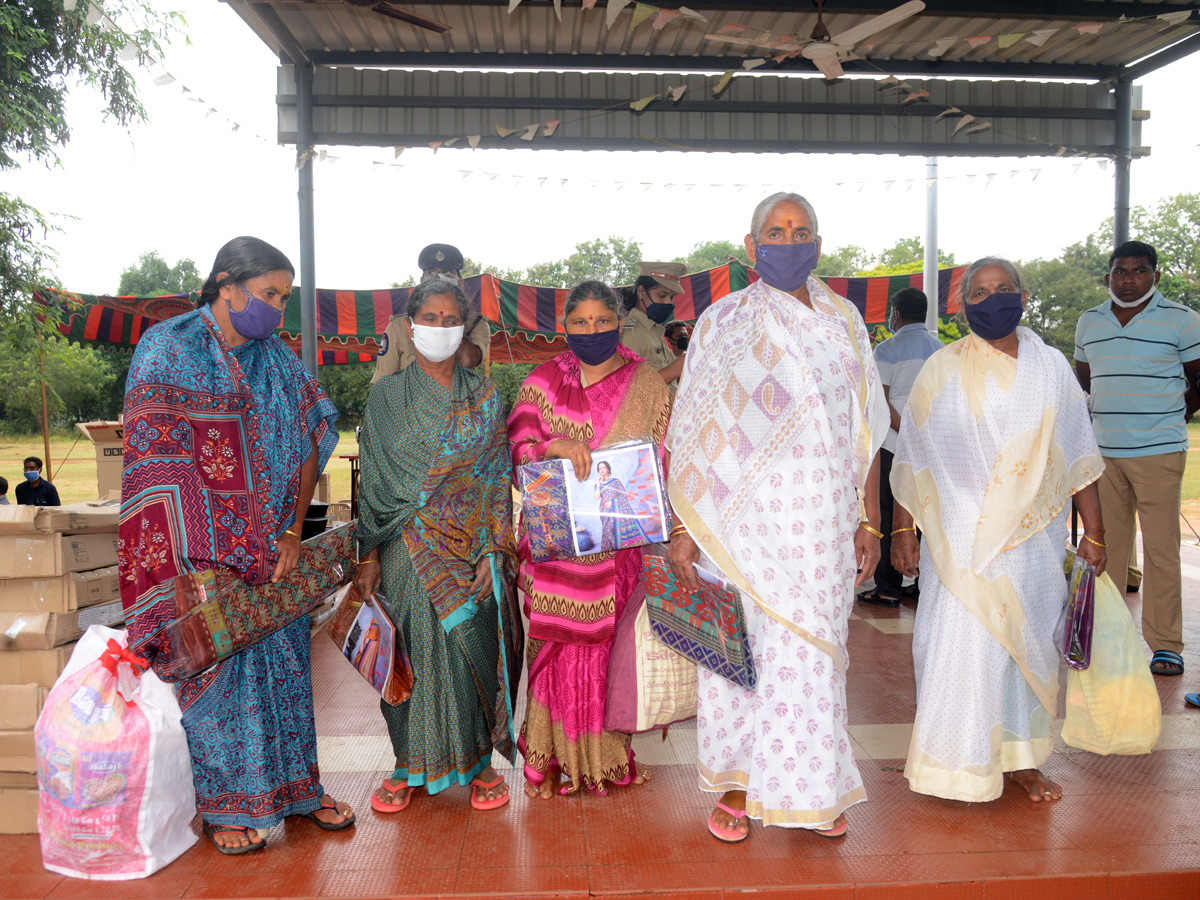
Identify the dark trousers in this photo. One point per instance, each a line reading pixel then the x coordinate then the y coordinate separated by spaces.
pixel 886 578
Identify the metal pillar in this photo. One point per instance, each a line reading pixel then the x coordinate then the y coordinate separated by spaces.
pixel 931 243
pixel 308 262
pixel 1124 142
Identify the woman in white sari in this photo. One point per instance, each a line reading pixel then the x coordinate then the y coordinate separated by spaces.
pixel 774 476
pixel 994 442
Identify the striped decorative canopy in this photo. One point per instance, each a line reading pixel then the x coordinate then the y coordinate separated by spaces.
pixel 524 318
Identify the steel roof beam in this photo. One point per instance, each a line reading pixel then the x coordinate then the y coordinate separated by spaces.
pixel 620 62
pixel 1164 57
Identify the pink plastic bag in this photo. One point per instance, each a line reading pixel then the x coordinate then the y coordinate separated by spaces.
pixel 114 775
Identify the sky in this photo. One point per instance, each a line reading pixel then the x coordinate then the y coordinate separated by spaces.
pixel 185 182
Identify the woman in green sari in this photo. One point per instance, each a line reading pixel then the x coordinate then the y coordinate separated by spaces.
pixel 435 527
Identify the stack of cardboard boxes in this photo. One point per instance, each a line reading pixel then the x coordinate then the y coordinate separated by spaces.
pixel 58 575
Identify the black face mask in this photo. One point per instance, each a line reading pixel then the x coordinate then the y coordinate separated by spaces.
pixel 682 342
pixel 659 312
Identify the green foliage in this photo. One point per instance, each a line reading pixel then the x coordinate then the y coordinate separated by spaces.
pixel 711 254
pixel 80 386
pixel 1059 292
pixel 613 260
pixel 843 262
pixel 152 276
pixel 904 257
pixel 347 386
pixel 950 329
pixel 508 378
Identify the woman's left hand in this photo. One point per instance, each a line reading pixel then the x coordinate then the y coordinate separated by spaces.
pixel 866 554
pixel 1094 554
pixel 288 547
pixel 482 585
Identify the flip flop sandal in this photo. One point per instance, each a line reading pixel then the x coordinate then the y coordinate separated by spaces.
pixel 727 835
pixel 1163 658
pixel 1191 699
pixel 329 826
pixel 835 831
pixel 393 788
pixel 495 802
pixel 213 830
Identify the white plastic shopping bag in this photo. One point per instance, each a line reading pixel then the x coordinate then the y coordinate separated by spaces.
pixel 114 776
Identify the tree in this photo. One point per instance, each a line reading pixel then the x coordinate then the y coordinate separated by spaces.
pixel 45 49
pixel 904 257
pixel 152 276
pixel 613 260
pixel 347 386
pixel 711 254
pixel 1172 227
pixel 80 383
pixel 844 261
pixel 1059 292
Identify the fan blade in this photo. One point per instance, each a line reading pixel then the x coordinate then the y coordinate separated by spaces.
pixel 852 36
pixel 403 15
pixel 830 66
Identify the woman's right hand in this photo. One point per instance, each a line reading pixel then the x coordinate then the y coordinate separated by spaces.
pixel 368 576
pixel 906 553
pixel 577 452
pixel 683 553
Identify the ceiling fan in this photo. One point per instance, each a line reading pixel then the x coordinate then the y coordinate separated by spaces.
pixel 828 52
pixel 392 11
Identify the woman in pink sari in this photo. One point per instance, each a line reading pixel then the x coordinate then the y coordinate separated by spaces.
pixel 595 395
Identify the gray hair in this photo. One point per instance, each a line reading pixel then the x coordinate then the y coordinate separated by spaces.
pixel 974 268
pixel 592 290
pixel 436 287
pixel 764 209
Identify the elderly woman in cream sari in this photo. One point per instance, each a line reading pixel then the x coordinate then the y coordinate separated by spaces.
pixel 994 443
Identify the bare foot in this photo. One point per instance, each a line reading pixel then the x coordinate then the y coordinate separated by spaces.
pixel 642 776
pixel 232 835
pixel 735 800
pixel 1039 788
pixel 482 795
pixel 547 789
pixel 335 815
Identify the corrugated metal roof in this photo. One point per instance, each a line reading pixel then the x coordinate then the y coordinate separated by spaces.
pixel 485 27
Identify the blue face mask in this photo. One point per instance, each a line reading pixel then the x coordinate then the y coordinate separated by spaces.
pixel 786 267
pixel 33 476
pixel 659 312
pixel 257 320
pixel 995 317
pixel 594 349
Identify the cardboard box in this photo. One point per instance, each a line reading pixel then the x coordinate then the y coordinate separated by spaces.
pixel 41 631
pixel 18 780
pixel 89 517
pixel 34 666
pixel 18 751
pixel 63 594
pixel 43 556
pixel 109 440
pixel 18 811
pixel 20 705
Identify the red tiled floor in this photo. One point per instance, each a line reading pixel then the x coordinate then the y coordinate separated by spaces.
pixel 1127 827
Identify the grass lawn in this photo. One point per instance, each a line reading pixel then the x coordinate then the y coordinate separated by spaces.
pixel 74 464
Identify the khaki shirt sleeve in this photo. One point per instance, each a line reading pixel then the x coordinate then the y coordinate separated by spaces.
pixel 398 353
pixel 481 337
pixel 641 336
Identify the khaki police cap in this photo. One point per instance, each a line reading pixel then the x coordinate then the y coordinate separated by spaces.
pixel 665 273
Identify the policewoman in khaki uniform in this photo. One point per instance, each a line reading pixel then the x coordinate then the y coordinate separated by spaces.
pixel 396 348
pixel 649 305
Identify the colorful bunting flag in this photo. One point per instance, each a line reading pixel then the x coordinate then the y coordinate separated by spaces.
pixel 551 127
pixel 1007 40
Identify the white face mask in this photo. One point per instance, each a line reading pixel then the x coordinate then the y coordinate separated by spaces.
pixel 1117 301
pixel 436 343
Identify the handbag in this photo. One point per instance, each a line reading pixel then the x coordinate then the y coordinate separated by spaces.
pixel 649 684
pixel 708 627
pixel 367 637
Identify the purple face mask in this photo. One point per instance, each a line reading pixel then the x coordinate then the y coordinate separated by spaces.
pixel 258 320
pixel 996 316
pixel 593 349
pixel 785 267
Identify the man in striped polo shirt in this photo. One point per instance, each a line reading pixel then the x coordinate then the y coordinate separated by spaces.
pixel 1138 355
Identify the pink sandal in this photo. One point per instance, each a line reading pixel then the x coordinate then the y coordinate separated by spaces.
pixel 393 788
pixel 495 802
pixel 728 835
pixel 835 830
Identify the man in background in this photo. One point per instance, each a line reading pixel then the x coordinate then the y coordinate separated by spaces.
pixel 36 491
pixel 899 360
pixel 396 349
pixel 4 492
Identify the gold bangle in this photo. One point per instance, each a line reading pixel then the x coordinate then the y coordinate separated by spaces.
pixel 293 534
pixel 1099 544
pixel 678 529
pixel 896 531
pixel 363 562
pixel 870 529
